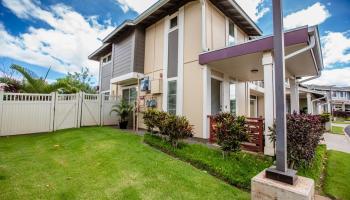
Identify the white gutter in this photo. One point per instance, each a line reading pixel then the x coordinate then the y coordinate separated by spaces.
pixel 204 26
pixel 308 48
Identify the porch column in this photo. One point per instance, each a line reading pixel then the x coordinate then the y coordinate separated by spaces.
pixel 343 107
pixel 309 103
pixel 226 94
pixel 294 96
pixel 242 99
pixel 206 100
pixel 269 103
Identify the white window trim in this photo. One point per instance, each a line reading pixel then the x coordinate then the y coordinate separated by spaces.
pixel 227 31
pixel 106 56
pixel 179 78
pixel 176 14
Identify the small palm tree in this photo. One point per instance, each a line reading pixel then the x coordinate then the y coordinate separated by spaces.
pixel 123 109
pixel 37 85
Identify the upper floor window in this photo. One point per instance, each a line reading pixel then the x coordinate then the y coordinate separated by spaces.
pixel 106 59
pixel 173 23
pixel 231 34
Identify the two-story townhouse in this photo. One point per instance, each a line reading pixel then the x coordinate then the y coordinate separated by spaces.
pixel 201 58
pixel 339 97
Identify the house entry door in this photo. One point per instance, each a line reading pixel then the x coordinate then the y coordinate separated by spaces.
pixel 215 96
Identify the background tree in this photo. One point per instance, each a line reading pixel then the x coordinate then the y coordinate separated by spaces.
pixel 78 81
pixel 7 77
pixel 33 84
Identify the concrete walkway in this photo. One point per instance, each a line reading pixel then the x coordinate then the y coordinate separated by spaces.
pixel 337 142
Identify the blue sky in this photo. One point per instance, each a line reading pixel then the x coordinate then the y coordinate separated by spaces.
pixel 42 33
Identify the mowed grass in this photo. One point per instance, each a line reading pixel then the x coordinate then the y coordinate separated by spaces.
pixel 237 169
pixel 99 163
pixel 338 130
pixel 337 179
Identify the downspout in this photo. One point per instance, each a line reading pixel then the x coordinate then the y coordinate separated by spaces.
pixel 204 26
pixel 206 79
pixel 308 48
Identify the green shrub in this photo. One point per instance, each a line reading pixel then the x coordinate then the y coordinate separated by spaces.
pixel 304 133
pixel 172 126
pixel 325 117
pixel 161 121
pixel 177 128
pixel 149 119
pixel 231 131
pixel 315 168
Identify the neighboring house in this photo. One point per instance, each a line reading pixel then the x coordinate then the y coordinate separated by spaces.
pixel 203 57
pixel 339 97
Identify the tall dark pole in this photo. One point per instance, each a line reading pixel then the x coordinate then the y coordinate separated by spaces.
pixel 281 171
pixel 278 44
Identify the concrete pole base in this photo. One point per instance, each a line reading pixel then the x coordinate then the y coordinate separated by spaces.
pixel 268 189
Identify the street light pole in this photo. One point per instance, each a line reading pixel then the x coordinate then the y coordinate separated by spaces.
pixel 281 171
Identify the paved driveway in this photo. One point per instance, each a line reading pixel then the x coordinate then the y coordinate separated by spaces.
pixel 337 142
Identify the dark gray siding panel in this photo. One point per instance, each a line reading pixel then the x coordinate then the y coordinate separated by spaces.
pixel 173 44
pixel 139 59
pixel 105 76
pixel 123 55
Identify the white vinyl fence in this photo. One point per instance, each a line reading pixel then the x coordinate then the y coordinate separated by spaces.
pixel 34 113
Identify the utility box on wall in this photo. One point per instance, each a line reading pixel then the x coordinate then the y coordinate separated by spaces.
pixel 156 86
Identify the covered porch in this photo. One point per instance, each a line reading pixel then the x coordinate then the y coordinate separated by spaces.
pixel 238 76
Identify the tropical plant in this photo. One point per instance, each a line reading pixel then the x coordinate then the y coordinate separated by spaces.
pixel 77 81
pixel 304 133
pixel 325 117
pixel 31 84
pixel 231 131
pixel 11 84
pixel 149 119
pixel 177 128
pixel 123 109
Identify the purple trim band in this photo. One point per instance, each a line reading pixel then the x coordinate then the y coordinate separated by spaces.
pixel 263 44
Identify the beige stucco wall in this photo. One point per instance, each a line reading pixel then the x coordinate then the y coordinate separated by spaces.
pixel 241 36
pixel 216 27
pixel 154 47
pixel 193 83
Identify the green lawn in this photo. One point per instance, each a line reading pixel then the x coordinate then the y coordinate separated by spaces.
pixel 237 169
pixel 99 163
pixel 337 180
pixel 340 122
pixel 338 130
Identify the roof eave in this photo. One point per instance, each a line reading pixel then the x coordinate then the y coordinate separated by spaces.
pixel 245 15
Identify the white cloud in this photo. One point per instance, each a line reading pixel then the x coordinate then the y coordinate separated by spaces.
pixel 313 15
pixel 338 77
pixel 336 48
pixel 254 8
pixel 136 5
pixel 65 45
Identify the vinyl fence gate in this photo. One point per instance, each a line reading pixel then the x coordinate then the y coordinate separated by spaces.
pixel 22 113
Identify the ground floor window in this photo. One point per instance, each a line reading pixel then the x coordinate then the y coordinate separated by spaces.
pixel 172 85
pixel 253 106
pixel 233 98
pixel 129 95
